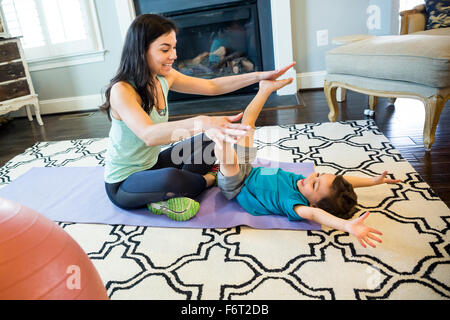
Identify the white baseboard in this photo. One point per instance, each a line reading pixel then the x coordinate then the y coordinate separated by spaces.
pixel 71 104
pixel 310 80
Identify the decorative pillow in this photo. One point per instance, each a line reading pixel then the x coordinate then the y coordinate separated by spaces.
pixel 438 13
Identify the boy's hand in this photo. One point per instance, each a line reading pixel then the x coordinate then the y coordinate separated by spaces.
pixel 382 179
pixel 362 232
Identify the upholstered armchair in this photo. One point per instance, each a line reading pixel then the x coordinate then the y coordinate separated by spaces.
pixel 413 20
pixel 414 64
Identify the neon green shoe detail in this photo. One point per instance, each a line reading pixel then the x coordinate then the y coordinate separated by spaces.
pixel 178 209
pixel 214 171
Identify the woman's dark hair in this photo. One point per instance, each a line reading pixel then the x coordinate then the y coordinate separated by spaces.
pixel 341 200
pixel 145 29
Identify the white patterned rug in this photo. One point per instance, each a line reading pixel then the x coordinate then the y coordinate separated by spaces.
pixel 413 262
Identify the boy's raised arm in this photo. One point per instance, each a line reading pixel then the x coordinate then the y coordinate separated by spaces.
pixel 355 227
pixel 358 182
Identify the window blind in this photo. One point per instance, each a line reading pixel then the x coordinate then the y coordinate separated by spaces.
pixel 51 28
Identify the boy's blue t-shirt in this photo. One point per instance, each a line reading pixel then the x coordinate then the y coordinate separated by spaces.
pixel 269 191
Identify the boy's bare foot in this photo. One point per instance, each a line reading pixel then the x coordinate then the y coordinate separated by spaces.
pixel 210 179
pixel 274 85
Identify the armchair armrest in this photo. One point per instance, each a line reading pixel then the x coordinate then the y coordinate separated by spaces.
pixel 413 20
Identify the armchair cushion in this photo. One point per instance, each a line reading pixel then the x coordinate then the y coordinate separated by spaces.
pixel 422 59
pixel 438 14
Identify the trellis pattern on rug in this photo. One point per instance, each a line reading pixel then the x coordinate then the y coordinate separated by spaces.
pixel 413 262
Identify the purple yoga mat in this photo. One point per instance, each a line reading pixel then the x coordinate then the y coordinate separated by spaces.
pixel 77 194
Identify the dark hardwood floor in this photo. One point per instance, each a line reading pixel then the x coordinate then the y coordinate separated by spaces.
pixel 402 124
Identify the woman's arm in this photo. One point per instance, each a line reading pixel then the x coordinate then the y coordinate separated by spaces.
pixel 126 103
pixel 186 84
pixel 210 87
pixel 219 129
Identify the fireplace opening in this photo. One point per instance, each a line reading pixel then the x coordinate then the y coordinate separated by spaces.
pixel 218 42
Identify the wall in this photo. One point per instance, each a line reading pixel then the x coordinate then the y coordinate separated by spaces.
pixel 78 87
pixel 340 18
pixel 388 17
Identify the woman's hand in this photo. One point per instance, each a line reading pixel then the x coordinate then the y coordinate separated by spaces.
pixel 275 74
pixel 222 129
pixel 362 232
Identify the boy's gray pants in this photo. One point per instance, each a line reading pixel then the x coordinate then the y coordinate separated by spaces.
pixel 231 186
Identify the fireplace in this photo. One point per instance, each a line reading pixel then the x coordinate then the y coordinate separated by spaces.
pixel 219 38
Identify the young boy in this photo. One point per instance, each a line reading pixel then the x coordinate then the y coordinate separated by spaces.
pixel 325 198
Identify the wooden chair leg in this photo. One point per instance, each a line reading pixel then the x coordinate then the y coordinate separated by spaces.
pixel 330 94
pixel 37 112
pixel 433 109
pixel 341 94
pixel 29 115
pixel 373 100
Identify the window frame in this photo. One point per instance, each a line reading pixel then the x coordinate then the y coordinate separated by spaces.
pixel 71 59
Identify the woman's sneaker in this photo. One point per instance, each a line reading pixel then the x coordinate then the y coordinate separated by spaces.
pixel 178 209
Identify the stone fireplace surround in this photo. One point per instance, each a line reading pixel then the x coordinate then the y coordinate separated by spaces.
pixel 283 55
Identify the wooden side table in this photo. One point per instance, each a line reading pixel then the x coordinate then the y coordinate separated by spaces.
pixel 16 88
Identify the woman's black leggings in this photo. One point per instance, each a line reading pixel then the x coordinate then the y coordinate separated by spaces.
pixel 177 173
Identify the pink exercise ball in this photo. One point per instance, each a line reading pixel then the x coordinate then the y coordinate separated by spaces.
pixel 39 260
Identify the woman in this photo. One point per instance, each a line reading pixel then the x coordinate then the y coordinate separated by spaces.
pixel 137 172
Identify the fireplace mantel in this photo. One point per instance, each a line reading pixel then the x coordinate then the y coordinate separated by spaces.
pixel 281 28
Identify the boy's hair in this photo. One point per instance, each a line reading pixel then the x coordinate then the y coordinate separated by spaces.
pixel 341 199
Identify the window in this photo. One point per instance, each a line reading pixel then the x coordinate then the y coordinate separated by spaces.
pixel 409 4
pixel 53 29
